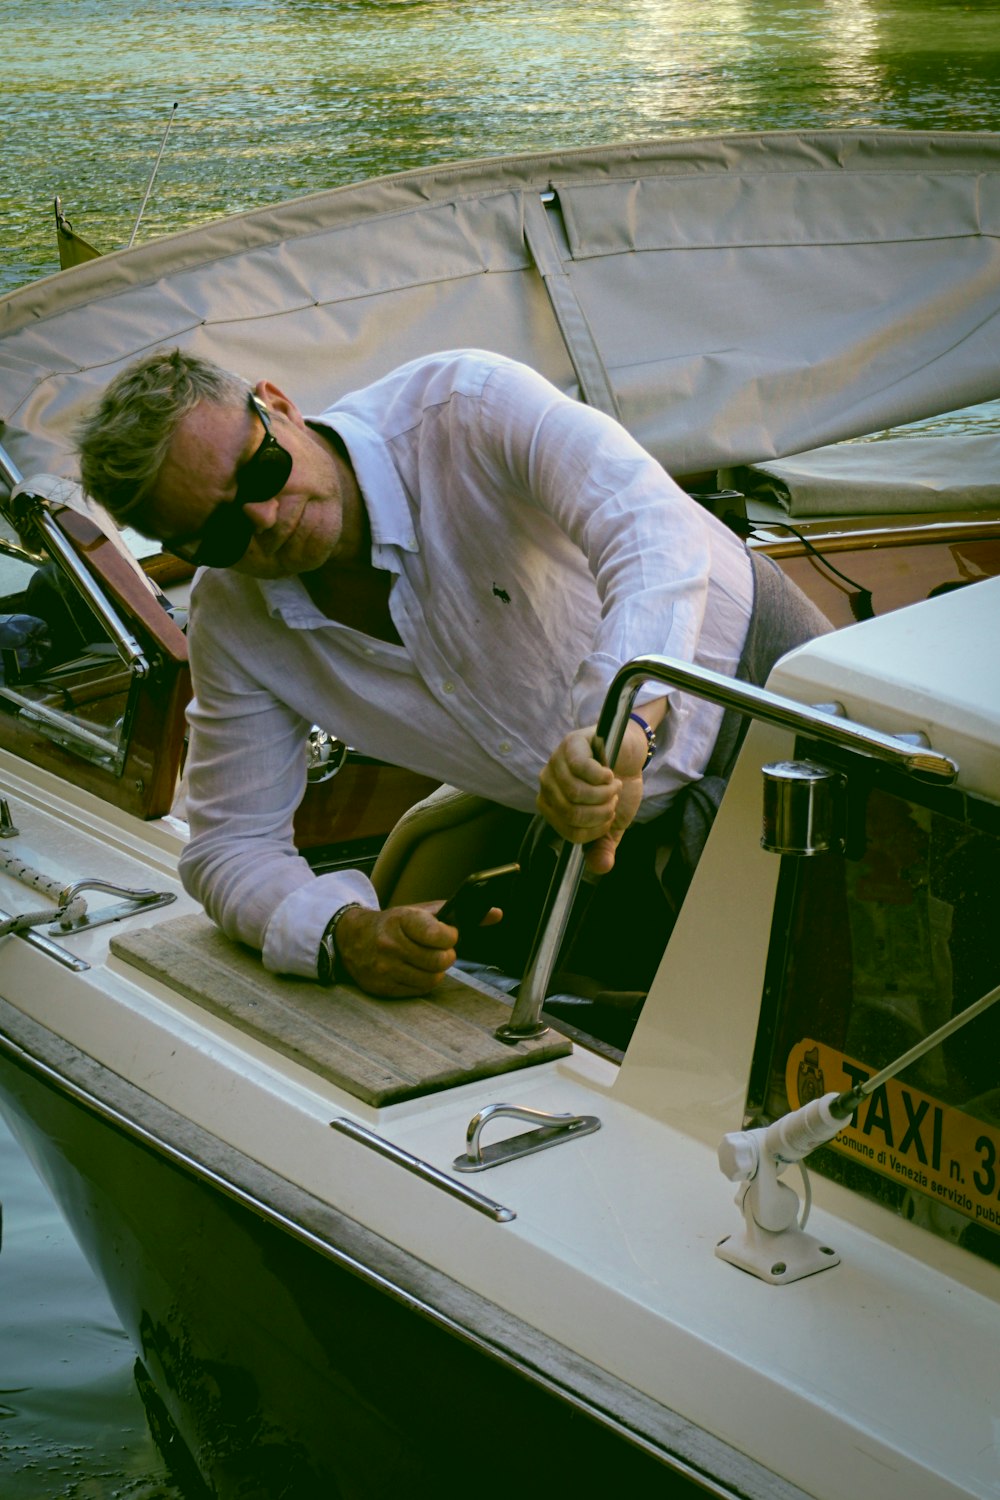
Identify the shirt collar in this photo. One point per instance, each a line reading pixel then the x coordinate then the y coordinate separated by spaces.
pixel 382 490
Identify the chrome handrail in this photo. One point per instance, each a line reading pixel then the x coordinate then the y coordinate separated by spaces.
pixel 9 472
pixel 823 723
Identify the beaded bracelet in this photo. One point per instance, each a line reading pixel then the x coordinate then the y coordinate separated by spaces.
pixel 650 734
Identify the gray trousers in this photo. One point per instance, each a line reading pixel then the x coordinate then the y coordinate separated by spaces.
pixel 781 619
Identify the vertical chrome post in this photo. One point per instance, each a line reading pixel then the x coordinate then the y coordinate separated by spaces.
pixel 525 1019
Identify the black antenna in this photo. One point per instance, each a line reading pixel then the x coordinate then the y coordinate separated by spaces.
pixel 848 1102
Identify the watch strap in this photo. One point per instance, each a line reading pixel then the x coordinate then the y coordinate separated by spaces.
pixel 329 968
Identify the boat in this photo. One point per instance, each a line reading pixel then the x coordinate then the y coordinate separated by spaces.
pixel 417 1247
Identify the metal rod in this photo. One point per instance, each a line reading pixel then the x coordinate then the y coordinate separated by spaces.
pixel 45 945
pixel 152 176
pixel 746 698
pixel 423 1169
pixel 525 1021
pixel 74 731
pixel 848 1102
pixel 9 471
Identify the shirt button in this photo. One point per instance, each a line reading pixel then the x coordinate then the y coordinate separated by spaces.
pixel 505 747
pixel 449 687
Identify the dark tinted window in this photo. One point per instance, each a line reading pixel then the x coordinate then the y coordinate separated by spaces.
pixel 871 952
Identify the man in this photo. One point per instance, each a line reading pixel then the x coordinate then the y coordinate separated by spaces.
pixel 447 567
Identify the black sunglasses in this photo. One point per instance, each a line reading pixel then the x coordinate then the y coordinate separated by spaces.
pixel 228 532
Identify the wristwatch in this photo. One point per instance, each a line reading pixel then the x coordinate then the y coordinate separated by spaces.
pixel 329 969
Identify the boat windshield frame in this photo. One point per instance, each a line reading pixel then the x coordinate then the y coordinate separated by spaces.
pixel 96 690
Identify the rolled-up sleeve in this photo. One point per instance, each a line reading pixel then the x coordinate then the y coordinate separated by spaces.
pixel 651 550
pixel 247 752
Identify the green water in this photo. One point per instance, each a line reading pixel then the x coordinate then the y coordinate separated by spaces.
pixel 72 1426
pixel 281 97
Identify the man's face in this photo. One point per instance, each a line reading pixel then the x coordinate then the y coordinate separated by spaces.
pixel 216 455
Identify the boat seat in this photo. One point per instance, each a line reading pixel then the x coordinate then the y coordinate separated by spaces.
pixel 449 834
pixel 440 840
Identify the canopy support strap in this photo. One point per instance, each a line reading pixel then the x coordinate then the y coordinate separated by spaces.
pixel 595 383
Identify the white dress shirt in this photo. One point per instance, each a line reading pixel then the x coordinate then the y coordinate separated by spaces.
pixel 534 548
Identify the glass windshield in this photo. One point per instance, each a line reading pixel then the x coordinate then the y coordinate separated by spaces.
pixel 872 951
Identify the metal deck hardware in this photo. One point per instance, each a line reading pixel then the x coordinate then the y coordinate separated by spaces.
pixel 552 1130
pixel 44 945
pixel 70 913
pixel 772 1244
pixel 905 753
pixel 8 829
pixel 131 902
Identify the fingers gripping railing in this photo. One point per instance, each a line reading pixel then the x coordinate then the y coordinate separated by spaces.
pixel 820 723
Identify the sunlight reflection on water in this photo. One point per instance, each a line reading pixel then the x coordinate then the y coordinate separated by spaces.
pixel 282 97
pixel 967 422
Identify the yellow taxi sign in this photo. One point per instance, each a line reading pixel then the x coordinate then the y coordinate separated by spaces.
pixel 904 1134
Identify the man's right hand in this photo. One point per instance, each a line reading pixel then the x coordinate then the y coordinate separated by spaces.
pixel 589 804
pixel 399 953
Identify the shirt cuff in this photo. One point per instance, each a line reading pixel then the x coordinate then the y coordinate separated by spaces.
pixel 293 935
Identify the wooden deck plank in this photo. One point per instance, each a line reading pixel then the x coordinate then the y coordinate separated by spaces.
pixel 380 1051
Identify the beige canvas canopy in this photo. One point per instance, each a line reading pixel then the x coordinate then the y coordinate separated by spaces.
pixel 733 299
pixel 899 475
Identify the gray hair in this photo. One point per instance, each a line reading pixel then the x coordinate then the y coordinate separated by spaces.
pixel 123 442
